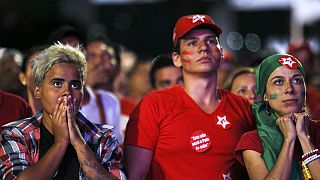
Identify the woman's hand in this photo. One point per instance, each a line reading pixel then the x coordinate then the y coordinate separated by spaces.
pixel 287 127
pixel 59 123
pixel 73 129
pixel 302 124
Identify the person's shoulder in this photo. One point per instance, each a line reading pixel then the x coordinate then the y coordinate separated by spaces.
pixel 94 133
pixel 252 134
pixel 91 127
pixel 9 97
pixel 22 126
pixel 250 139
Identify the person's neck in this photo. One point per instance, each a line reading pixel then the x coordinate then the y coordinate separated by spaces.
pixel 203 90
pixel 46 121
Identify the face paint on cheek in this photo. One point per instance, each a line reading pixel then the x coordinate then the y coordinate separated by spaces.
pixel 186 60
pixel 187 53
pixel 273 96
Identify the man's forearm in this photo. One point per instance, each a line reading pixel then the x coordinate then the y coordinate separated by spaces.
pixel 90 165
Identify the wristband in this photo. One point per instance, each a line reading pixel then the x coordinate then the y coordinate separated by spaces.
pixel 308 154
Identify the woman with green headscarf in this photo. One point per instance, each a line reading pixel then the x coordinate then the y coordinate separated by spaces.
pixel 274 150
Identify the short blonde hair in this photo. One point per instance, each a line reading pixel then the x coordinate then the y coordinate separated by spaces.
pixel 55 54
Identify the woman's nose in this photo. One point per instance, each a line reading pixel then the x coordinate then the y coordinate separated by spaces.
pixel 66 90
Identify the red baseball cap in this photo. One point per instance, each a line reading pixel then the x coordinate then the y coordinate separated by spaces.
pixel 187 23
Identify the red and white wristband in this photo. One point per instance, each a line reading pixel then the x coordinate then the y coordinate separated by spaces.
pixel 310 156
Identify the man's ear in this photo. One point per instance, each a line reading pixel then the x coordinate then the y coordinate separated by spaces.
pixel 37 92
pixel 176 58
pixel 23 78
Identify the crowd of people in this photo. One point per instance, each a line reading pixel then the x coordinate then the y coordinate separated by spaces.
pixel 81 107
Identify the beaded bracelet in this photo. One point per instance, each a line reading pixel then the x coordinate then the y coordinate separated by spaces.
pixel 311 158
pixel 308 154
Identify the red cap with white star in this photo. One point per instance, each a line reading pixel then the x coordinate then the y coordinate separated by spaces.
pixel 187 23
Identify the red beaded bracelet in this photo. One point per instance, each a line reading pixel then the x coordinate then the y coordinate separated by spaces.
pixel 308 154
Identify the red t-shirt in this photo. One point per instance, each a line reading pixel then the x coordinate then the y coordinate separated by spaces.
pixel 12 108
pixel 189 143
pixel 249 141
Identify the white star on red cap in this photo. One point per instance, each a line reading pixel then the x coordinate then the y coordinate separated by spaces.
pixel 196 18
pixel 288 61
pixel 222 121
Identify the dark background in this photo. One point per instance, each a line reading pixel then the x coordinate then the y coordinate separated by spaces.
pixel 145 28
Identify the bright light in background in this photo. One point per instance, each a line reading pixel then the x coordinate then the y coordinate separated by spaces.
pixel 277 44
pixel 235 40
pixel 280 45
pixel 259 4
pixel 305 11
pixel 252 42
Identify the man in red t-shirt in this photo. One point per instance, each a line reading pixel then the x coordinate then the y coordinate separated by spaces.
pixel 189 131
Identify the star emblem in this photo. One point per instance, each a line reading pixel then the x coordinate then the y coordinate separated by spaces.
pixel 196 18
pixel 288 61
pixel 222 121
pixel 227 176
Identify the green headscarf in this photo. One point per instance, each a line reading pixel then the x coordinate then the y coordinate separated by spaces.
pixel 270 134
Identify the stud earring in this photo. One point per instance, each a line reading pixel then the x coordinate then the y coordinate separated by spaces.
pixel 265 98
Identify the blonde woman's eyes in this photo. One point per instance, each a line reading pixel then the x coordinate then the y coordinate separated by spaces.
pixel 76 85
pixel 57 84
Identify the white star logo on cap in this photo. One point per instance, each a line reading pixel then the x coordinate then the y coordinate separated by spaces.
pixel 196 18
pixel 227 176
pixel 222 121
pixel 288 61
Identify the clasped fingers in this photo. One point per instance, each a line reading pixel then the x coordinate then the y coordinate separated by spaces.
pixel 302 123
pixel 286 125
